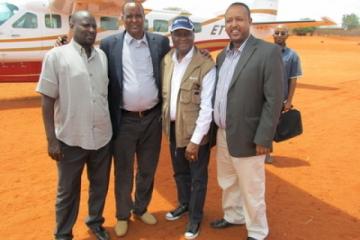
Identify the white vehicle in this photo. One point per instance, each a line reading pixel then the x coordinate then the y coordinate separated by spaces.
pixel 29 28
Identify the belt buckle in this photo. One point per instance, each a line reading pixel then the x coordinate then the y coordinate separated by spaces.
pixel 141 114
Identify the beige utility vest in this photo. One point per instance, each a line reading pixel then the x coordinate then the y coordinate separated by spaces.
pixel 188 102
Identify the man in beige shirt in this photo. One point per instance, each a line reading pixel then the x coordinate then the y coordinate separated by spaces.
pixel 74 88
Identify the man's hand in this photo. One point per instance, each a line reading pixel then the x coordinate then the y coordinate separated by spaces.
pixel 205 53
pixel 54 150
pixel 287 106
pixel 191 151
pixel 261 150
pixel 61 40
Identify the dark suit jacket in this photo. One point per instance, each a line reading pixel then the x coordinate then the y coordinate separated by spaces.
pixel 254 98
pixel 113 46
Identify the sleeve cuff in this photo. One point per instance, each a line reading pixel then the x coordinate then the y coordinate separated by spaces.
pixel 196 138
pixel 47 88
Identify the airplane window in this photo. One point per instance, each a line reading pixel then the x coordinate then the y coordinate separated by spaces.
pixel 109 23
pixel 7 10
pixel 197 27
pixel 52 21
pixel 28 20
pixel 161 26
pixel 146 25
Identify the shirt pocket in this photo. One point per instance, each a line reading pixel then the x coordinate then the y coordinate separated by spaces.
pixel 190 93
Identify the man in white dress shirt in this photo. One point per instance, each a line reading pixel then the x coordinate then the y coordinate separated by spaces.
pixel 188 80
pixel 134 57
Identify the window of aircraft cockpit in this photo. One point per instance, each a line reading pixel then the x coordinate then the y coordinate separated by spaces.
pixel 109 23
pixel 161 25
pixel 7 10
pixel 197 27
pixel 28 20
pixel 52 21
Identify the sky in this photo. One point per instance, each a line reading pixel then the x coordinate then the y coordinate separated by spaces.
pixel 287 9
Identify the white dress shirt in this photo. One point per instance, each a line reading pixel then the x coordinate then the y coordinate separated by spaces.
pixel 232 57
pixel 140 91
pixel 207 88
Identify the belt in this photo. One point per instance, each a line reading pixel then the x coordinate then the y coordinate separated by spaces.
pixel 139 114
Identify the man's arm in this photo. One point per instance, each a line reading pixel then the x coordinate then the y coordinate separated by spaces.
pixel 54 150
pixel 292 87
pixel 273 93
pixel 205 115
pixel 295 73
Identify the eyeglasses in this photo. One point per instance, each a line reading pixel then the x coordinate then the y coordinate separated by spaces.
pixel 280 33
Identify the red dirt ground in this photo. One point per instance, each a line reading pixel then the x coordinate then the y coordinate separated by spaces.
pixel 313 186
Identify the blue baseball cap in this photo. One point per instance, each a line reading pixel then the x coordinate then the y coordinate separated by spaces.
pixel 182 22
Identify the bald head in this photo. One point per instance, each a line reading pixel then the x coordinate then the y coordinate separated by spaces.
pixel 282 28
pixel 79 15
pixel 83 25
pixel 281 33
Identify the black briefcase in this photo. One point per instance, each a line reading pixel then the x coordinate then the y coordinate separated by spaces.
pixel 289 125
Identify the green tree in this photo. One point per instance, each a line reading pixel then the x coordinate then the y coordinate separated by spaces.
pixel 350 21
pixel 303 31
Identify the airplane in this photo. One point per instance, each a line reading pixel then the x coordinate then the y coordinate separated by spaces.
pixel 28 29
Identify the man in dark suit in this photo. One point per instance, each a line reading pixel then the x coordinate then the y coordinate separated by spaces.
pixel 134 58
pixel 247 106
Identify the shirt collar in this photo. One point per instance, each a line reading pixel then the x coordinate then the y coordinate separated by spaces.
pixel 130 40
pixel 284 48
pixel 231 50
pixel 187 56
pixel 82 50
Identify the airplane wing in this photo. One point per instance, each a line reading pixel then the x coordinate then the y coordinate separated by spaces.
pixel 96 7
pixel 296 24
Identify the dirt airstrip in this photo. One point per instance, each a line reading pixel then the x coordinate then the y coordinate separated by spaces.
pixel 313 186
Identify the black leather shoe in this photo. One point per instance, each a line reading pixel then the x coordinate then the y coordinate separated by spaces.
pixel 221 223
pixel 100 233
pixel 67 237
pixel 192 231
pixel 250 238
pixel 176 213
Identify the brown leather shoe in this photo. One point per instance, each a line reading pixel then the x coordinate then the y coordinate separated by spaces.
pixel 121 228
pixel 147 218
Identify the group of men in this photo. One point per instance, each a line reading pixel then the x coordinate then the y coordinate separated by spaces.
pixel 116 100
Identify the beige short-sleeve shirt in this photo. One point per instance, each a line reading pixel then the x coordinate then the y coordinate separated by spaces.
pixel 79 86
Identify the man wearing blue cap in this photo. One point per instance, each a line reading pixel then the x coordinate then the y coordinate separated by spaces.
pixel 187 88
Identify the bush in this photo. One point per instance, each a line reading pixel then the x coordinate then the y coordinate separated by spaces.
pixel 350 21
pixel 304 31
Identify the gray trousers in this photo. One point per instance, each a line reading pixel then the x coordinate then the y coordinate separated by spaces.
pixel 138 136
pixel 70 168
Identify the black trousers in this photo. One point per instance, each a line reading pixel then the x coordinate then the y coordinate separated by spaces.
pixel 191 177
pixel 138 136
pixel 70 168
